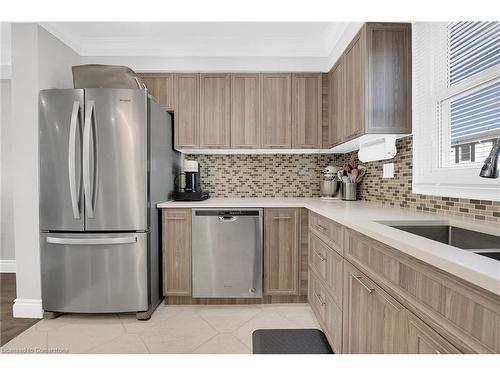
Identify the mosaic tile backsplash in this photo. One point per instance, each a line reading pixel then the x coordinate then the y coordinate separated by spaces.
pixel 298 176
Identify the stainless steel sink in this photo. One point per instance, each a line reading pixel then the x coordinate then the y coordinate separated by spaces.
pixel 480 243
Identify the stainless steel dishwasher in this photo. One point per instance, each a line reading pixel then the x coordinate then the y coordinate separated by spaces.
pixel 227 252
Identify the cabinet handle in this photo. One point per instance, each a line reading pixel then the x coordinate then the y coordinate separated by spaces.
pixel 282 217
pixel 321 227
pixel 320 299
pixel 176 218
pixel 358 279
pixel 320 256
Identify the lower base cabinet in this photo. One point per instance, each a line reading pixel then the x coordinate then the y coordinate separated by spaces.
pixel 374 322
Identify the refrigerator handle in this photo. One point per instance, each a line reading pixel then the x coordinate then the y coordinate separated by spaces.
pixel 71 160
pixel 87 135
pixel 91 241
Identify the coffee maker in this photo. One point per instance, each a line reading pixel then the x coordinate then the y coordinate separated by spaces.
pixel 188 184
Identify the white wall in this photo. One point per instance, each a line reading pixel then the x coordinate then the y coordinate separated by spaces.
pixel 7 253
pixel 39 61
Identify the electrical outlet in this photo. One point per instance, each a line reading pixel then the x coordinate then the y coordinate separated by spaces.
pixel 388 170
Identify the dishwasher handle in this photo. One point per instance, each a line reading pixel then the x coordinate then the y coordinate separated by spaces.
pixel 227 219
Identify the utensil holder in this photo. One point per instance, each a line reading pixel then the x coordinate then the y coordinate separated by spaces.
pixel 349 191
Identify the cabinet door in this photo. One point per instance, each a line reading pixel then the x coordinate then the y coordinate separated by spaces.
pixel 424 340
pixel 187 110
pixel 336 104
pixel 176 252
pixel 388 83
pixel 327 312
pixel 281 251
pixel 276 111
pixel 354 92
pixel 245 110
pixel 214 110
pixel 306 110
pixel 374 322
pixel 161 86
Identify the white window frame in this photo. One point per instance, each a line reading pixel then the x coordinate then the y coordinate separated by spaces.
pixel 430 87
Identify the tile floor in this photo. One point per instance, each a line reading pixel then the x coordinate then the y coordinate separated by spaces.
pixel 214 329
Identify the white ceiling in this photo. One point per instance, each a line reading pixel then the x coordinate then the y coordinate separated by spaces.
pixel 201 46
pixel 210 39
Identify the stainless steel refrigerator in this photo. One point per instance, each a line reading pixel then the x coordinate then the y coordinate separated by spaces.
pixel 106 160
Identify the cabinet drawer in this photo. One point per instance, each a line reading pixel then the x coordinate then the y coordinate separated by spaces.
pixel 328 265
pixel 465 315
pixel 327 312
pixel 327 230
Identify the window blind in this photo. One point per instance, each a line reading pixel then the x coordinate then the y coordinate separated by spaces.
pixel 476 115
pixel 473 47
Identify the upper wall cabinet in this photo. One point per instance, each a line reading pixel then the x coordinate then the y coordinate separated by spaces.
pixel 245 110
pixel 354 98
pixel 161 86
pixel 276 110
pixel 336 110
pixel 376 97
pixel 187 110
pixel 214 110
pixel 306 110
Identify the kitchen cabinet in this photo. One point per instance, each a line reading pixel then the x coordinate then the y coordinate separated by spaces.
pixel 187 110
pixel 214 110
pixel 176 244
pixel 375 95
pixel 245 110
pixel 423 340
pixel 306 110
pixel 354 89
pixel 374 322
pixel 281 251
pixel 161 86
pixel 467 316
pixel 276 110
pixel 336 108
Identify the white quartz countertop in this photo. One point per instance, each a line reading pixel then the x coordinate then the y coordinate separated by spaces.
pixel 365 217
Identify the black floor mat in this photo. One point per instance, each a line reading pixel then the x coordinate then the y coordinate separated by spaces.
pixel 290 341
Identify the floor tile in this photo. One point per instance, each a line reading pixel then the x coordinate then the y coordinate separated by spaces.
pixel 125 344
pixel 263 320
pixel 227 319
pixel 83 335
pixel 223 343
pixel 181 334
pixel 30 341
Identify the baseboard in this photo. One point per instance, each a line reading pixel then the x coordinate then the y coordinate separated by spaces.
pixel 7 266
pixel 28 308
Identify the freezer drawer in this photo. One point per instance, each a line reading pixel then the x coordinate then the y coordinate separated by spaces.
pixel 227 253
pixel 94 273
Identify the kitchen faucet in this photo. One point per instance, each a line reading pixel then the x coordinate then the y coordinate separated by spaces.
pixel 491 166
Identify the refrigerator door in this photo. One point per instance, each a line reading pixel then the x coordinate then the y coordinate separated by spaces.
pixel 60 138
pixel 94 273
pixel 115 170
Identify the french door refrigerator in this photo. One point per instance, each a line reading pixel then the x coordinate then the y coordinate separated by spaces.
pixel 106 160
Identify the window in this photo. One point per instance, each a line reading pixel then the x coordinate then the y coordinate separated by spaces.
pixel 456 107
